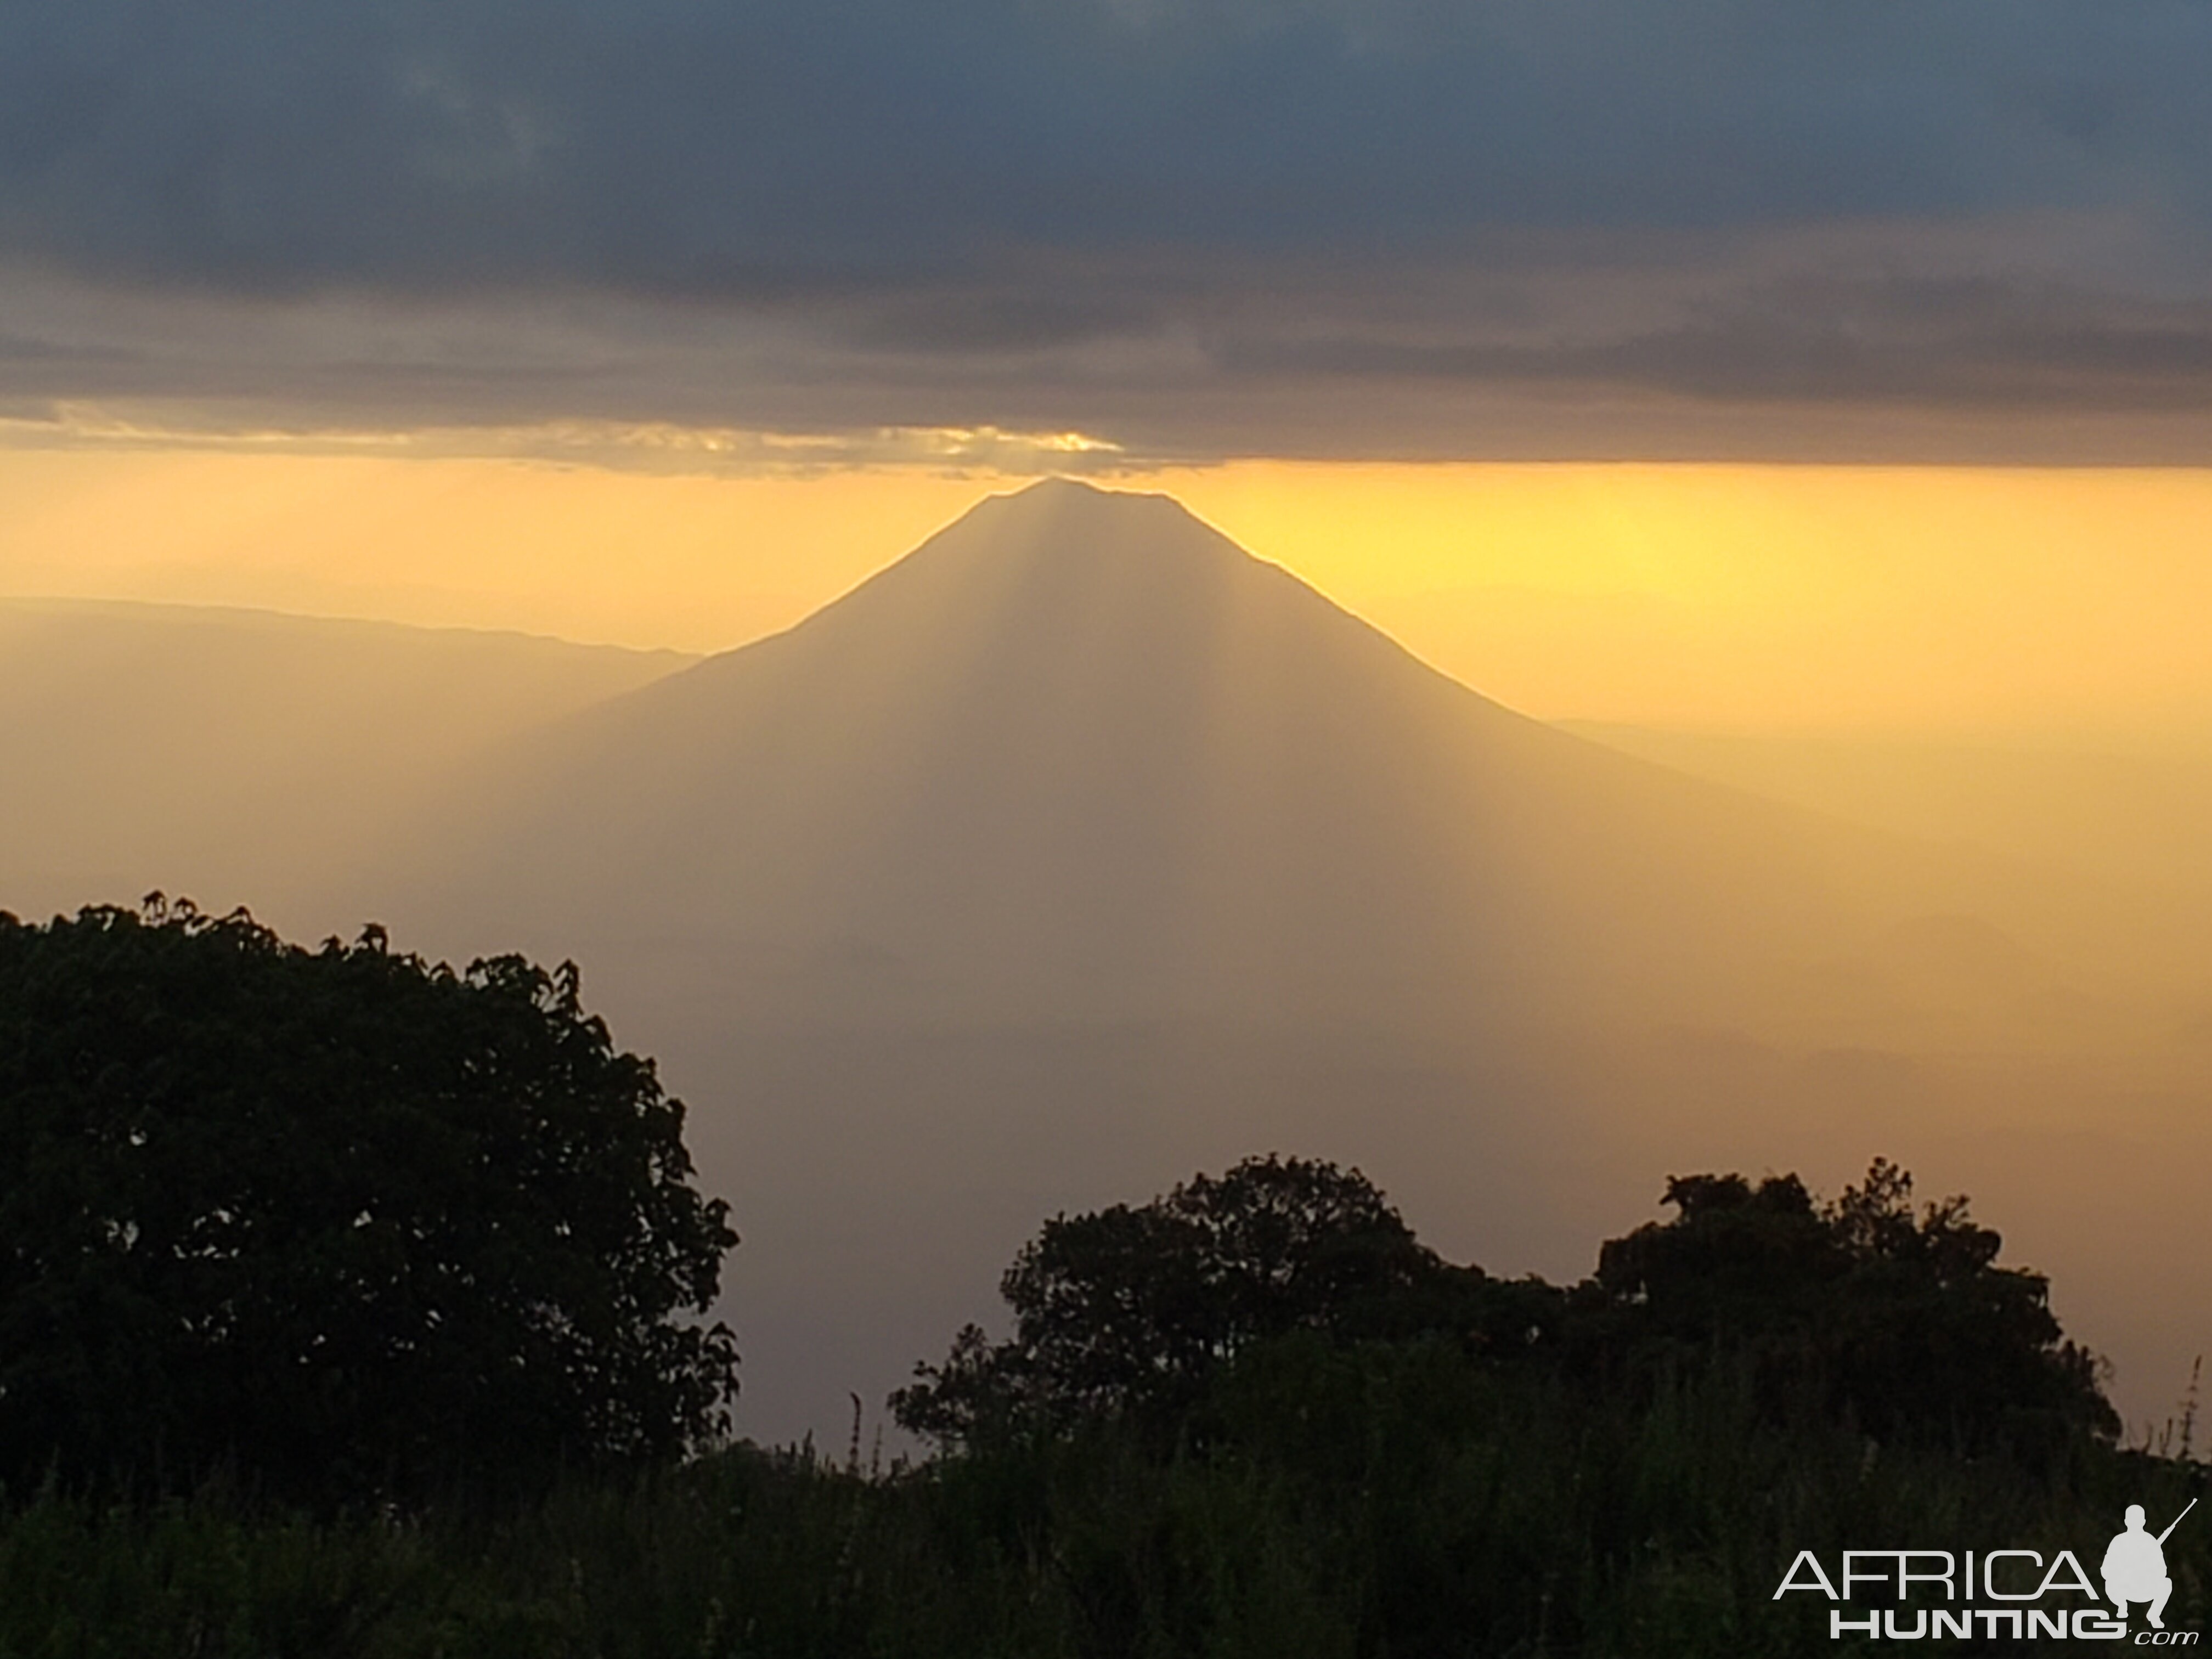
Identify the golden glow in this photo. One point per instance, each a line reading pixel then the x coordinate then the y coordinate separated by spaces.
pixel 1765 596
pixel 1705 595
pixel 699 563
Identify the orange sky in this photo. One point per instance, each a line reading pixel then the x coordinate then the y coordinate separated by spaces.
pixel 1728 596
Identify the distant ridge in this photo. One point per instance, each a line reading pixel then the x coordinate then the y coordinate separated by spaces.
pixel 246 757
pixel 18 612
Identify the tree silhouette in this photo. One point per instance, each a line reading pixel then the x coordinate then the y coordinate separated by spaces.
pixel 1902 1320
pixel 1859 1309
pixel 342 1222
pixel 1130 1308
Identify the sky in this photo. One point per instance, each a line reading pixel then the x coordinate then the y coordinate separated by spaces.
pixel 2014 602
pixel 1148 231
pixel 1724 362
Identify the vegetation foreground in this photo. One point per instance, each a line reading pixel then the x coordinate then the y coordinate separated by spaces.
pixel 349 1306
pixel 1378 1503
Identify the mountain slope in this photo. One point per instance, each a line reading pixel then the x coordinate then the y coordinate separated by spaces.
pixel 1080 755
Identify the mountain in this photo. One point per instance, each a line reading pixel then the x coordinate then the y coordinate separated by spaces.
pixel 1080 756
pixel 1077 851
pixel 243 756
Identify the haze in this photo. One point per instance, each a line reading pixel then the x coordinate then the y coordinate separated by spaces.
pixel 1082 849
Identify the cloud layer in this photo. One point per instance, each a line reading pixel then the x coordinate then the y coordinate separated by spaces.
pixel 1185 226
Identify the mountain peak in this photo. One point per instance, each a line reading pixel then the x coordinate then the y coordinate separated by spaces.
pixel 1062 493
pixel 1069 514
pixel 1059 561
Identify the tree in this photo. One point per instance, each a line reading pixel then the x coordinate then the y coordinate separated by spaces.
pixel 1860 1310
pixel 1902 1320
pixel 1130 1309
pixel 344 1222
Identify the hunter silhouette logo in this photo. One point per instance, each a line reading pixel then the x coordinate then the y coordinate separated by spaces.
pixel 2135 1566
pixel 2017 1581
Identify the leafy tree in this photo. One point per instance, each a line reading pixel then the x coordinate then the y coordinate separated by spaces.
pixel 340 1221
pixel 1860 1311
pixel 1130 1308
pixel 1904 1322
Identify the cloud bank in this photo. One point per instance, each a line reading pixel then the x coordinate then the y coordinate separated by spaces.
pixel 1181 229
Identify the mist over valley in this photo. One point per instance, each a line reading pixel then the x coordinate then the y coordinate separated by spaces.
pixel 1081 849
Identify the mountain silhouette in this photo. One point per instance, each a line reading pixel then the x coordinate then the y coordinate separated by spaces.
pixel 1079 849
pixel 1080 755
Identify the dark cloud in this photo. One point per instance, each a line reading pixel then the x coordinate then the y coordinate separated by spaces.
pixel 1964 342
pixel 1117 215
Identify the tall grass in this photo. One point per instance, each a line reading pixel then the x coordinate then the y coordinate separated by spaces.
pixel 1327 1503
